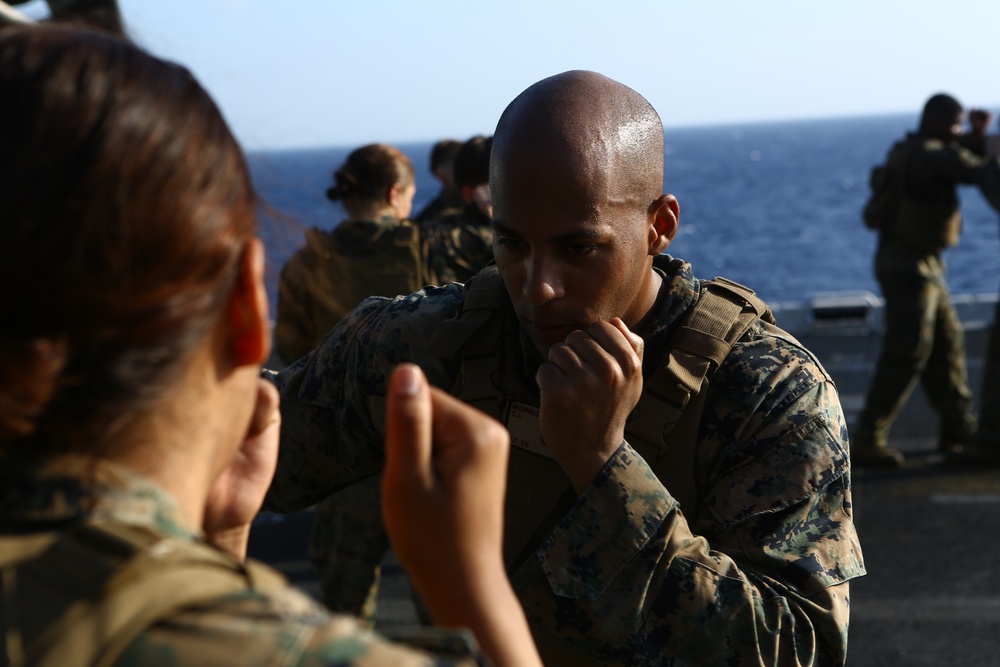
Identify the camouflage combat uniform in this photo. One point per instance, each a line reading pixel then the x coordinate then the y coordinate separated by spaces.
pixel 276 626
pixel 755 573
pixel 336 270
pixel 448 202
pixel 475 223
pixel 923 337
pixel 456 249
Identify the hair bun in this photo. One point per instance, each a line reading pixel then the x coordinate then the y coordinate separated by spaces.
pixel 344 184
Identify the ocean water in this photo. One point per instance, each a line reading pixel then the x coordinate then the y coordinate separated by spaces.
pixel 774 206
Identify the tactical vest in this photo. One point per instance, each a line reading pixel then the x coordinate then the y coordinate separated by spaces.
pixel 539 493
pixel 80 597
pixel 924 226
pixel 338 280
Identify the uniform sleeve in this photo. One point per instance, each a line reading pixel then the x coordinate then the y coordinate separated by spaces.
pixel 287 628
pixel 293 334
pixel 952 164
pixel 757 576
pixel 333 401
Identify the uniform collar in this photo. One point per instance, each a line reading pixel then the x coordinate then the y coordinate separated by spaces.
pixel 678 293
pixel 64 489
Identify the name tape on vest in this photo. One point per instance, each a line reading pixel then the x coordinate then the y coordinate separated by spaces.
pixel 521 420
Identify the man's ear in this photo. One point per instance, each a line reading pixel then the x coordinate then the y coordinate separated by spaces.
pixel 249 330
pixel 664 217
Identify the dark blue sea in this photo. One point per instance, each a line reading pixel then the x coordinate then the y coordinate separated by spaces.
pixel 774 206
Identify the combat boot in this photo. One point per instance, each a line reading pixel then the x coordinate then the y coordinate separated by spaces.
pixel 867 452
pixel 876 457
pixel 958 442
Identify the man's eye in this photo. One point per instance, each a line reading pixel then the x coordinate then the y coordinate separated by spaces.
pixel 508 242
pixel 581 249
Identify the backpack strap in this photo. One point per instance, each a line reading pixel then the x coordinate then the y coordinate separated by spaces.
pixel 663 427
pixel 100 584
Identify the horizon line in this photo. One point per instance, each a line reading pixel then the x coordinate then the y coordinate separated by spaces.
pixel 722 124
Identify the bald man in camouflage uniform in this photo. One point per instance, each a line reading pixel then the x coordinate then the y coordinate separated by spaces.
pixel 620 551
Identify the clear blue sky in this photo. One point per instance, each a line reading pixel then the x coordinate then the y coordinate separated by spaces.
pixel 318 73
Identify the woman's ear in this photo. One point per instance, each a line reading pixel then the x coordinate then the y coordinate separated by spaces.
pixel 394 191
pixel 249 322
pixel 664 216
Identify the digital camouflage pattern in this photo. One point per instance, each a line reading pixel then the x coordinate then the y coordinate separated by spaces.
pixel 478 228
pixel 250 628
pixel 350 568
pixel 456 249
pixel 756 574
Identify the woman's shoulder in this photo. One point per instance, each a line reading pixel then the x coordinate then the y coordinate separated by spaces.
pixel 280 626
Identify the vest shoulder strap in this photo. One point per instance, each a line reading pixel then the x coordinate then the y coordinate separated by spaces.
pixel 83 595
pixel 671 404
pixel 664 425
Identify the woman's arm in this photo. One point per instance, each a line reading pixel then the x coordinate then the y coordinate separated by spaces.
pixel 442 502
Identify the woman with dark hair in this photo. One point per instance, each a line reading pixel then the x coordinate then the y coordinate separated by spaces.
pixel 376 252
pixel 137 439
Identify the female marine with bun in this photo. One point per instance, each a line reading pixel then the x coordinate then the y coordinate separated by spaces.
pixel 137 439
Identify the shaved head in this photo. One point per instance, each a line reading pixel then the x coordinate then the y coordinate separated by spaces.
pixel 584 120
pixel 576 175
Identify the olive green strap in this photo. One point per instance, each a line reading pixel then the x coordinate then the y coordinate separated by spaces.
pixel 663 427
pixel 106 583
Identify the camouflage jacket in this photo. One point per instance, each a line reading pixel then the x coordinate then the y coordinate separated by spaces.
pixel 448 202
pixel 457 248
pixel 928 219
pixel 757 575
pixel 336 270
pixel 275 627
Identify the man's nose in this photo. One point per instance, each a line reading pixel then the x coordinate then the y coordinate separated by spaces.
pixel 541 282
